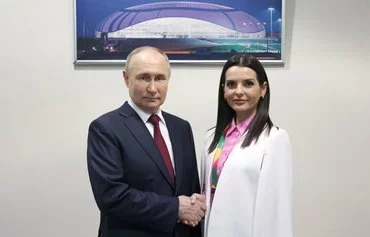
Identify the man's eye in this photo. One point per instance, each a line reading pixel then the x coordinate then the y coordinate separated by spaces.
pixel 143 78
pixel 160 78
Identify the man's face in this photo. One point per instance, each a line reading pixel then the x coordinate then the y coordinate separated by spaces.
pixel 147 80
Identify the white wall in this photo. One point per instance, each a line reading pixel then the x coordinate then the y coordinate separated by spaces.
pixel 321 96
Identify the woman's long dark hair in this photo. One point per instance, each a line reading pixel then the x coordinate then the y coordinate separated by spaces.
pixel 225 113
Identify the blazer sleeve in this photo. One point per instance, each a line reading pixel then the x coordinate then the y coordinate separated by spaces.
pixel 203 168
pixel 273 207
pixel 203 165
pixel 116 198
pixel 196 231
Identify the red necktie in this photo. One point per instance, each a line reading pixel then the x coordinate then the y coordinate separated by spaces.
pixel 154 119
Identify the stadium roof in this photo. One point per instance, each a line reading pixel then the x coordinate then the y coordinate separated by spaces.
pixel 220 15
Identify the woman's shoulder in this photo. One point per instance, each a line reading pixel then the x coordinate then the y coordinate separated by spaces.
pixel 278 135
pixel 210 133
pixel 275 133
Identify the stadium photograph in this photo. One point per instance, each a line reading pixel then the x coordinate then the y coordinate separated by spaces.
pixel 187 31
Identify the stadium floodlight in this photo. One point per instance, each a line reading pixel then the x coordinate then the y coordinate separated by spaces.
pixel 271 9
pixel 279 21
pixel 267 39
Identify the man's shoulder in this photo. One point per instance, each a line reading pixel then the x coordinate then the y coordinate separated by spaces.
pixel 173 118
pixel 108 117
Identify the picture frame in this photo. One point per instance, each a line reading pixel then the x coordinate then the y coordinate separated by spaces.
pixel 207 31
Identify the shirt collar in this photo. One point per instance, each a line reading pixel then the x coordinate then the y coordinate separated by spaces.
pixel 144 115
pixel 241 127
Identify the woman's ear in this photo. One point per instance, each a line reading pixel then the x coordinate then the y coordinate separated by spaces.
pixel 264 89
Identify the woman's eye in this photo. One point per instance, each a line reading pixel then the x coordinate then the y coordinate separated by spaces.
pixel 230 84
pixel 248 84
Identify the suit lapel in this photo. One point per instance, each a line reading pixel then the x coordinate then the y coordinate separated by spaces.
pixel 140 132
pixel 176 147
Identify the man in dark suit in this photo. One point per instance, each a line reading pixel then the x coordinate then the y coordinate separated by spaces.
pixel 141 160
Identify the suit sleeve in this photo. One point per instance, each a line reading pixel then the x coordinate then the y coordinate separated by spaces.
pixel 116 198
pixel 195 174
pixel 273 207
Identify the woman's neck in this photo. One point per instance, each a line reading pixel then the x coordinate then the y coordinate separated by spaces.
pixel 239 118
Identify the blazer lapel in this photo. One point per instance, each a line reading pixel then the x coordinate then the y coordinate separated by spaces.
pixel 177 148
pixel 140 132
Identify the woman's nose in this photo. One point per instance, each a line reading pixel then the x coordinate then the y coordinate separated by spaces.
pixel 239 89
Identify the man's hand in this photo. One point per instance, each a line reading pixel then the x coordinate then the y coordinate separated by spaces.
pixel 192 209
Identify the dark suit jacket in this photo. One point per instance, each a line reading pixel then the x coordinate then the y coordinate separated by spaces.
pixel 129 179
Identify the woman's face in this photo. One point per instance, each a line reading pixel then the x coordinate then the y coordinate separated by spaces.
pixel 242 91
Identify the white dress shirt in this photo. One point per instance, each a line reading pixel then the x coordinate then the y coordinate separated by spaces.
pixel 162 126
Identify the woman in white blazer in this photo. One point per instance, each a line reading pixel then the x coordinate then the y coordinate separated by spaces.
pixel 247 161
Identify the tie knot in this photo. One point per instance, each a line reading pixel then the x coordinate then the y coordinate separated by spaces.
pixel 154 119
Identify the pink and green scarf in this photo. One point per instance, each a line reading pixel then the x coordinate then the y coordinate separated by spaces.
pixel 216 158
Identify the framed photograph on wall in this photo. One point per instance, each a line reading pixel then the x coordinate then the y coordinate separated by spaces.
pixel 207 31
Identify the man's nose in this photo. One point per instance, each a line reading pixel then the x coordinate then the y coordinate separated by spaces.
pixel 152 87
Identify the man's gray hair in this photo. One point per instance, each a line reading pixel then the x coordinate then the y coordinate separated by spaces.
pixel 143 48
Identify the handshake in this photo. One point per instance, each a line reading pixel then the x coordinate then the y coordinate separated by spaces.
pixel 192 209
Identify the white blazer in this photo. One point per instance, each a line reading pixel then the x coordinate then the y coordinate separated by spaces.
pixel 254 191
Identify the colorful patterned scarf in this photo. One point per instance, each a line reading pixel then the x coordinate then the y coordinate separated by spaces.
pixel 216 158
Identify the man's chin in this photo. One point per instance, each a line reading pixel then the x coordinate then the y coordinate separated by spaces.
pixel 151 108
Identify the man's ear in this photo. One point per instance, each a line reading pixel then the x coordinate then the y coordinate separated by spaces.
pixel 125 77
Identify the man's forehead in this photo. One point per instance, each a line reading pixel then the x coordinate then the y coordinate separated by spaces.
pixel 149 63
pixel 148 52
